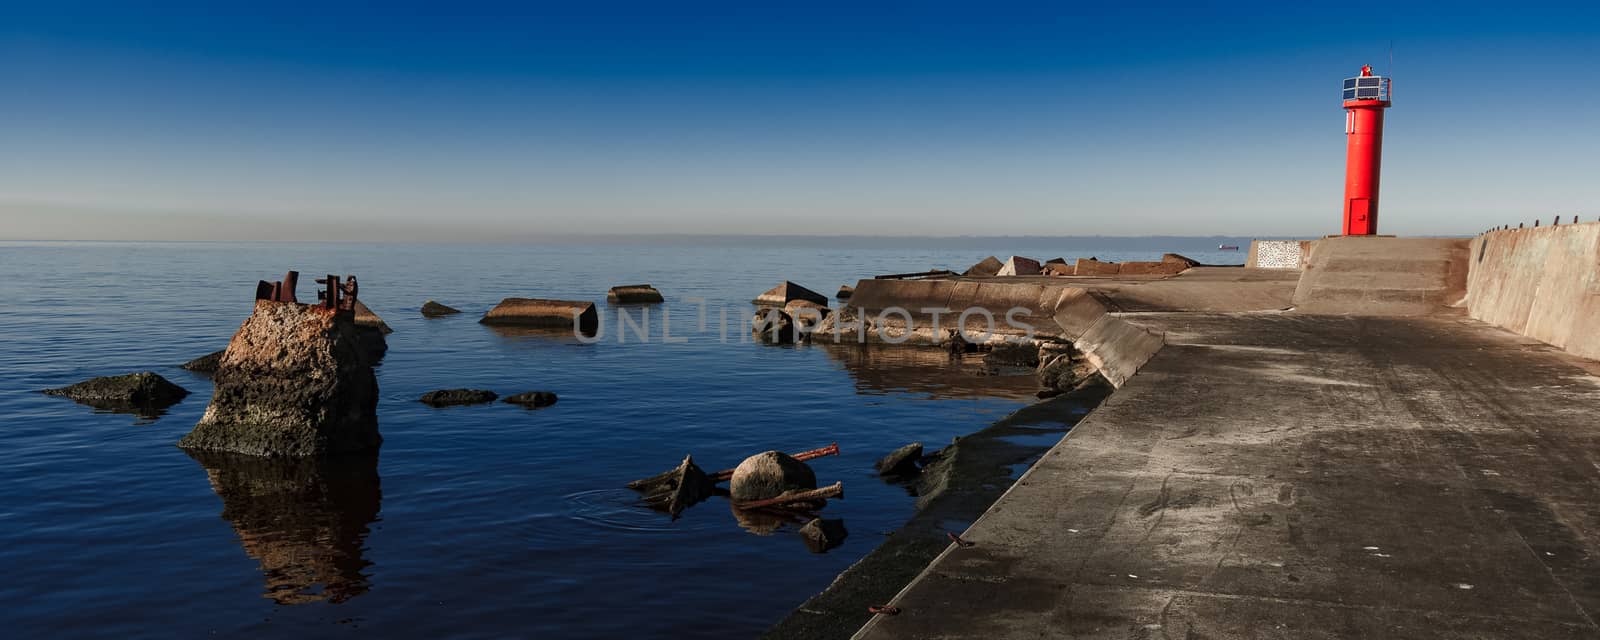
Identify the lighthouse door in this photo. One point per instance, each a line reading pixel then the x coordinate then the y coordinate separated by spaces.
pixel 1358 221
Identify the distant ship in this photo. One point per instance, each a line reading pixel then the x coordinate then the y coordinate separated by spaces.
pixel 1227 247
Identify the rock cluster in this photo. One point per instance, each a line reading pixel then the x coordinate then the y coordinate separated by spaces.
pixel 144 393
pixel 293 382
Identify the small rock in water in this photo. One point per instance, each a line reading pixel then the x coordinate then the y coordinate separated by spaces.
pixel 769 475
pixel 205 364
pixel 453 397
pixel 144 393
pixel 823 534
pixel 845 291
pixel 902 461
pixel 773 326
pixel 533 399
pixel 433 309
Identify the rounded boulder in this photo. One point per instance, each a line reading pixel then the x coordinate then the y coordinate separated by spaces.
pixel 769 475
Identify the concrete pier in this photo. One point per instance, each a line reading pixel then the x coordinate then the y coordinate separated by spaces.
pixel 1392 468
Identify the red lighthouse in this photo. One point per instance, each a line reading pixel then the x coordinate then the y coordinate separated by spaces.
pixel 1365 98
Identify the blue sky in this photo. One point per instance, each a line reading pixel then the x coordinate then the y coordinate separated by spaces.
pixel 483 121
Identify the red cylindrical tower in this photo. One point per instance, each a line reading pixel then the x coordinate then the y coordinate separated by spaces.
pixel 1365 98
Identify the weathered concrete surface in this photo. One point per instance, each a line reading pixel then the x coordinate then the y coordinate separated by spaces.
pixel 1365 275
pixel 1298 476
pixel 1278 254
pixel 577 315
pixel 633 294
pixel 1543 283
pixel 293 382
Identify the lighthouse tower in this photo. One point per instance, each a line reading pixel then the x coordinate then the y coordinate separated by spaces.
pixel 1365 98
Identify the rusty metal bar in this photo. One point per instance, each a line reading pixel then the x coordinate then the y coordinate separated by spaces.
pixel 830 492
pixel 830 450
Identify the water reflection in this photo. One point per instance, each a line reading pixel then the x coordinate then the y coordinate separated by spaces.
pixel 304 520
pixel 884 369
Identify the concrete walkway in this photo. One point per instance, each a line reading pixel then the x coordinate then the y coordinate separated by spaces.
pixel 1275 475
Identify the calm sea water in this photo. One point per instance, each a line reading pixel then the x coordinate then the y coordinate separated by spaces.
pixel 485 521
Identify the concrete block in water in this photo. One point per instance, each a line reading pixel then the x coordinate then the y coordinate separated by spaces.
pixel 781 295
pixel 549 314
pixel 633 294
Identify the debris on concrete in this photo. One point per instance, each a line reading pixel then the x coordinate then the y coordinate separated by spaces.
pixel 781 295
pixel 822 534
pixel 1019 266
pixel 293 381
pixel 986 267
pixel 433 309
pixel 768 475
pixel 545 314
pixel 144 393
pixel 845 291
pixel 456 397
pixel 902 461
pixel 634 294
pixel 532 399
pixel 206 363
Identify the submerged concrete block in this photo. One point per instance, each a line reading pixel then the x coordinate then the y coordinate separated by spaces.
pixel 633 294
pixel 547 314
pixel 433 309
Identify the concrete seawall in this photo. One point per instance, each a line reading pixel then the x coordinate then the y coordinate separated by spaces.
pixel 1543 283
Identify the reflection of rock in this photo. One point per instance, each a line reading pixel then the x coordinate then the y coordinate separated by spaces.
pixel 143 393
pixel 1013 354
pixel 764 522
pixel 292 383
pixel 453 397
pixel 206 363
pixel 823 534
pixel 884 369
pixel 769 475
pixel 305 520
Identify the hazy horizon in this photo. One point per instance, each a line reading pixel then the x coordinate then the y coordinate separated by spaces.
pixel 487 120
